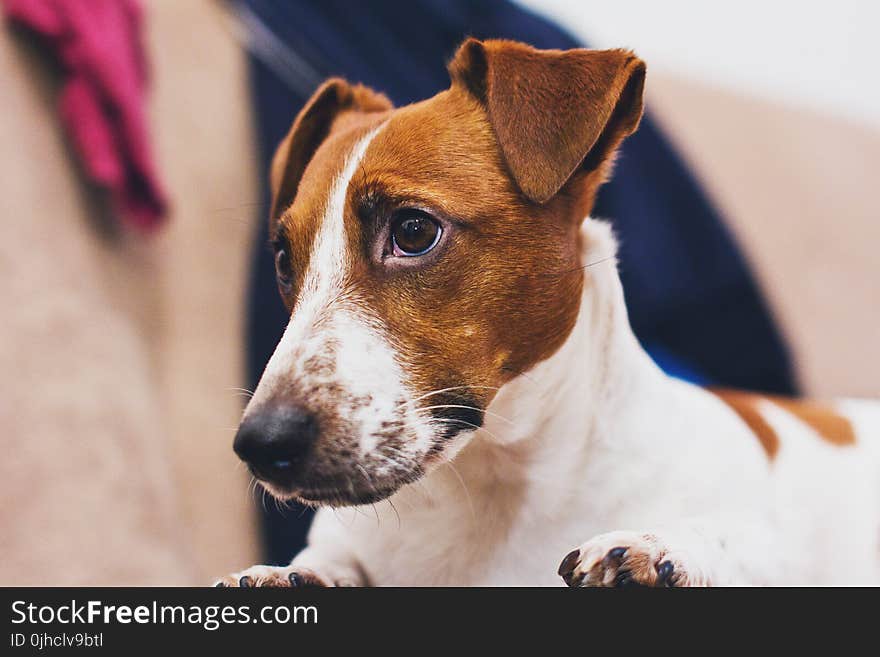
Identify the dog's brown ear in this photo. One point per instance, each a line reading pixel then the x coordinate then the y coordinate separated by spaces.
pixel 310 129
pixel 552 110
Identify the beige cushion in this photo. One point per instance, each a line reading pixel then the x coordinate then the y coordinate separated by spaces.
pixel 799 192
pixel 119 353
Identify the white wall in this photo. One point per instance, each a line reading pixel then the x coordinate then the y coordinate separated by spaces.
pixel 820 54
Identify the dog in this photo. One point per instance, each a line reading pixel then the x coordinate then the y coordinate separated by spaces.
pixel 459 346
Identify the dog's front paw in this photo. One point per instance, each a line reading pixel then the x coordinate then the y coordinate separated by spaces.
pixel 272 576
pixel 620 559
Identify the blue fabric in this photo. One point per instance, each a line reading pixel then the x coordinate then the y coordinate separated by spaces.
pixel 691 298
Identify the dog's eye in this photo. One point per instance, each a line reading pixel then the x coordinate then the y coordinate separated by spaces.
pixel 414 233
pixel 283 268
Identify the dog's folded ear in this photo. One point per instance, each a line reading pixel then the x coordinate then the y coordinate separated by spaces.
pixel 310 128
pixel 552 111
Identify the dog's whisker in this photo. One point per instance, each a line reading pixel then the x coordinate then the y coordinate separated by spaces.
pixel 376 511
pixel 528 377
pixel 242 391
pixel 338 497
pixel 248 493
pixel 353 492
pixel 442 390
pixel 254 489
pixel 466 490
pixel 394 508
pixel 359 511
pixel 265 508
pixel 577 269
pixel 447 420
pixel 409 465
pixel 369 481
pixel 469 408
pixel 366 474
pixel 387 451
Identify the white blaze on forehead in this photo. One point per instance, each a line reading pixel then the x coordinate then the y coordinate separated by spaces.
pixel 328 264
pixel 322 282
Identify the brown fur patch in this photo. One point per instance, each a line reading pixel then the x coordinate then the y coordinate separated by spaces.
pixel 745 405
pixel 830 425
pixel 553 111
pixel 825 421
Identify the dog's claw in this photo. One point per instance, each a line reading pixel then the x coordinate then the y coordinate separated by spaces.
pixel 624 580
pixel 614 554
pixel 568 564
pixel 245 582
pixel 294 579
pixel 664 572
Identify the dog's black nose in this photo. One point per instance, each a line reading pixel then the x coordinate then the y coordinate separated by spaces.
pixel 275 441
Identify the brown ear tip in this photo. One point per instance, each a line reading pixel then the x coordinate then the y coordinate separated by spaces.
pixel 468 66
pixel 638 65
pixel 635 64
pixel 464 55
pixel 638 72
pixel 370 100
pixel 357 95
pixel 632 96
pixel 339 86
pixel 470 42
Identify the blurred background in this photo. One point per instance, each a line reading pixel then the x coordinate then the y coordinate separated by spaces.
pixel 138 299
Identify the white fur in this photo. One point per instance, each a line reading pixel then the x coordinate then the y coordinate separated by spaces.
pixel 597 439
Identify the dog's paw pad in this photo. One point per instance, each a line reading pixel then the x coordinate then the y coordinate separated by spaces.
pixel 620 560
pixel 272 577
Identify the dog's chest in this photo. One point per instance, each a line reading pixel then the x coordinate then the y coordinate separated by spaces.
pixel 459 530
pixel 463 551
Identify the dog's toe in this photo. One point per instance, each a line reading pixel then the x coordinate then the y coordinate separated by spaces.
pixel 305 579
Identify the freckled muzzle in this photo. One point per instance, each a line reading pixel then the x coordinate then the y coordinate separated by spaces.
pixel 315 459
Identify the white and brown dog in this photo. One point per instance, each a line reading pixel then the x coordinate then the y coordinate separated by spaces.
pixel 459 345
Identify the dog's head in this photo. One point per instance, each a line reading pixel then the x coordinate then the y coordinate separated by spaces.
pixel 427 255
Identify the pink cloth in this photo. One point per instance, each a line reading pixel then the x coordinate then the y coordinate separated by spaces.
pixel 102 103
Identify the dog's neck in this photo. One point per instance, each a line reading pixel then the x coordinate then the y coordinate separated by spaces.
pixel 563 404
